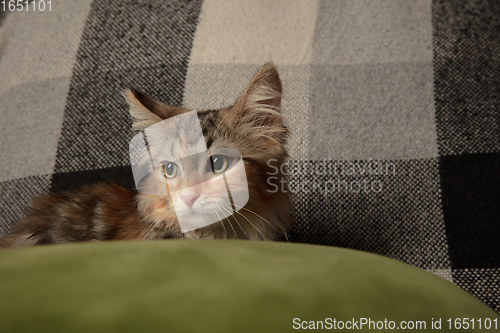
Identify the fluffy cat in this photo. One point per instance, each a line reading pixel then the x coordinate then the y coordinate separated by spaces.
pixel 253 126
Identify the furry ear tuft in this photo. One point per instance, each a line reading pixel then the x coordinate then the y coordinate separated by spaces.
pixel 147 111
pixel 258 110
pixel 264 91
pixel 141 116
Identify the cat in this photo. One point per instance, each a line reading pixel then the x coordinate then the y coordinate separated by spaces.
pixel 253 126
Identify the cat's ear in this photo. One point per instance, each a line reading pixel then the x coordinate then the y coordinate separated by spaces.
pixel 146 111
pixel 263 92
pixel 258 109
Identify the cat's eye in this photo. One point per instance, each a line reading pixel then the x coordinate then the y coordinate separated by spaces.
pixel 170 170
pixel 218 163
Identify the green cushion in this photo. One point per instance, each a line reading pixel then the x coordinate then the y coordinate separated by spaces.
pixel 215 286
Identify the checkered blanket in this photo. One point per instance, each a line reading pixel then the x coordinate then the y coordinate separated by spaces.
pixel 393 107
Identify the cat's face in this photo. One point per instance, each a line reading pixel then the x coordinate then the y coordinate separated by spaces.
pixel 204 188
pixel 201 178
pixel 207 165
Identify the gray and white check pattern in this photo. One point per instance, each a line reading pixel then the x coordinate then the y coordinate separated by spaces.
pixel 413 85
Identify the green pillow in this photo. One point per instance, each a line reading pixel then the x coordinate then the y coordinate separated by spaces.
pixel 220 286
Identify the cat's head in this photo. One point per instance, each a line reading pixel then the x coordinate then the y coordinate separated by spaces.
pixel 199 153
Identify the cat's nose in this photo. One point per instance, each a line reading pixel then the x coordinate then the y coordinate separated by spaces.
pixel 190 198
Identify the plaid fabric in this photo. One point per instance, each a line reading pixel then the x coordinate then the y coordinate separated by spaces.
pixel 393 107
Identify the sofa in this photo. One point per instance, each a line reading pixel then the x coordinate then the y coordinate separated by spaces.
pixel 392 107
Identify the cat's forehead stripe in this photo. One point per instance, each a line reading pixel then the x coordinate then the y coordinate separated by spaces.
pixel 208 122
pixel 208 117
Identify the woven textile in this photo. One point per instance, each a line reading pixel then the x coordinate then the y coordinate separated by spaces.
pixel 393 108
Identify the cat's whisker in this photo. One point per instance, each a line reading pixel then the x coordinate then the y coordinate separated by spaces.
pixel 158 220
pixel 144 227
pixel 156 223
pixel 231 225
pixel 248 210
pixel 218 217
pixel 285 233
pixel 150 230
pixel 145 217
pixel 232 215
pixel 148 224
pixel 281 228
pixel 253 225
pixel 238 222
